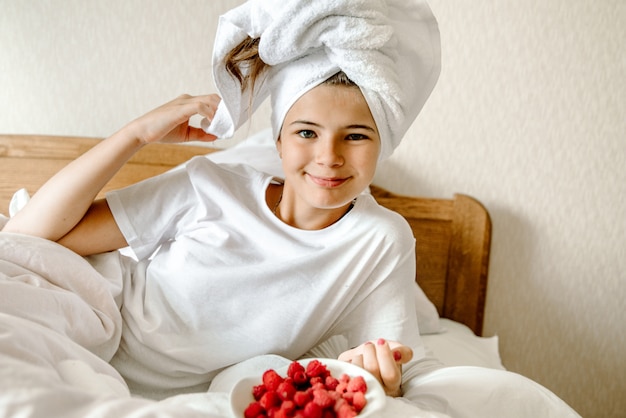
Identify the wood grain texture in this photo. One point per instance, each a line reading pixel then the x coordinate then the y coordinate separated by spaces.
pixel 27 161
pixel 452 235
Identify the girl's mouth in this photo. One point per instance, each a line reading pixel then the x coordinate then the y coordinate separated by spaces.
pixel 327 182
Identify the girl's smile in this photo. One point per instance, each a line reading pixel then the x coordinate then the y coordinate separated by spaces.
pixel 327 182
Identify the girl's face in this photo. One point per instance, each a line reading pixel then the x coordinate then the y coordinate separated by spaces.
pixel 329 146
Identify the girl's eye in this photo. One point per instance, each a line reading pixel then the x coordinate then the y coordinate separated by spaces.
pixel 305 133
pixel 356 137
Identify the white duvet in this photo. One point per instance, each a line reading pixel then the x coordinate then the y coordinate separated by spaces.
pixel 60 324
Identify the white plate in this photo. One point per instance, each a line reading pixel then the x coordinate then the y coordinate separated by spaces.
pixel 241 395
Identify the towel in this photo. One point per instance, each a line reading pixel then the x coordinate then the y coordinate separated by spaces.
pixel 389 48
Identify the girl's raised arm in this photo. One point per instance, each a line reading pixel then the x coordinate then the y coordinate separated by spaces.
pixel 63 209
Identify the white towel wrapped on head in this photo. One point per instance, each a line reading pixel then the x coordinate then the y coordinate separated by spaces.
pixel 389 48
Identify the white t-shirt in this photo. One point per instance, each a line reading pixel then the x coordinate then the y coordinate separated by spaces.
pixel 230 281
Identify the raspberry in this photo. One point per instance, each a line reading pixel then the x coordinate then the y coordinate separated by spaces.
pixel 359 401
pixel 346 411
pixel 294 368
pixel 297 373
pixel 253 410
pixel 300 379
pixel 342 387
pixel 301 398
pixel 331 383
pixel 316 368
pixel 334 394
pixel 338 404
pixel 316 383
pixel 280 413
pixel 272 412
pixel 271 380
pixel 289 407
pixel 357 384
pixel 286 390
pixel 322 398
pixel 312 410
pixel 269 400
pixel 258 391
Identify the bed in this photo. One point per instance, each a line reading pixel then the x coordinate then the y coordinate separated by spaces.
pixel 51 357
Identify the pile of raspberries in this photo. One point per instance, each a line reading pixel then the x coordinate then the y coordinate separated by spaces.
pixel 307 393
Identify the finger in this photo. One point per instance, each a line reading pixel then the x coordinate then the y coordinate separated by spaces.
pixel 197 134
pixel 187 106
pixel 370 360
pixel 202 105
pixel 211 99
pixel 390 371
pixel 207 112
pixel 402 354
pixel 357 360
pixel 346 356
pixel 349 354
pixel 209 105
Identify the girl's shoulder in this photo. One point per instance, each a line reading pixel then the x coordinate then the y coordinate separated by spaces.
pixel 204 163
pixel 228 185
pixel 382 219
pixel 234 174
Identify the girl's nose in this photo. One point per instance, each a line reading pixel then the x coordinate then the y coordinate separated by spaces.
pixel 329 153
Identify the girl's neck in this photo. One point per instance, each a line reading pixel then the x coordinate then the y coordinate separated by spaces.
pixel 288 211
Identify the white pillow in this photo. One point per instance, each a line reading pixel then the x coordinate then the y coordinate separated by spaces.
pixel 427 315
pixel 457 345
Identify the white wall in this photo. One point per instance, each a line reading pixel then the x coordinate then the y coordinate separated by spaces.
pixel 528 117
pixel 88 67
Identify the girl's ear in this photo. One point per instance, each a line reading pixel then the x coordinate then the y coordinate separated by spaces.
pixel 279 147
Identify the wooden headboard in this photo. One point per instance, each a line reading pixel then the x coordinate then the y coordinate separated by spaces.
pixel 452 235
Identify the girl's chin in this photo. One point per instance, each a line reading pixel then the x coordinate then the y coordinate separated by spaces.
pixel 334 197
pixel 334 204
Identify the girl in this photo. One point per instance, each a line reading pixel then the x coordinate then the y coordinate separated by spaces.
pixel 234 263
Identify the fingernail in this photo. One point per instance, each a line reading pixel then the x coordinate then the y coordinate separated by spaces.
pixel 368 343
pixel 380 341
pixel 397 355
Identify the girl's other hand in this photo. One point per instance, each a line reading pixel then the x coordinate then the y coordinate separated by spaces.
pixel 383 359
pixel 170 122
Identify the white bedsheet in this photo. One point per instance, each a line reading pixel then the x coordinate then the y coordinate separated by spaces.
pixel 60 324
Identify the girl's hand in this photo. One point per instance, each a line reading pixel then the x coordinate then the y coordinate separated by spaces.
pixel 170 122
pixel 383 359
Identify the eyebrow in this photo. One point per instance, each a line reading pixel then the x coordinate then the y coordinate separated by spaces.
pixel 355 126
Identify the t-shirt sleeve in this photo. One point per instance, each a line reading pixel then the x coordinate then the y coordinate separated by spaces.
pixel 388 311
pixel 152 211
